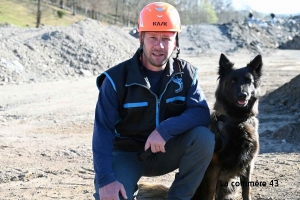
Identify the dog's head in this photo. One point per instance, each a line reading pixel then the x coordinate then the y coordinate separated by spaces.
pixel 239 87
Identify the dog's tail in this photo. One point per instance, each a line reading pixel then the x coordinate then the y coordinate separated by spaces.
pixel 152 191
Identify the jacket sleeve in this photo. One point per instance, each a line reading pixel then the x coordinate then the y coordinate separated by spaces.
pixel 106 115
pixel 196 114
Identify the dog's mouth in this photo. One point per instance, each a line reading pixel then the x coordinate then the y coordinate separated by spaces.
pixel 242 102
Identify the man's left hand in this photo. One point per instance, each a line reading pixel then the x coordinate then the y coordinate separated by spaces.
pixel 155 142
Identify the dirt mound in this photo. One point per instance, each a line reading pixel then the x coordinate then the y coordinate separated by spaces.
pixel 256 36
pixel 86 48
pixel 206 39
pixel 284 101
pixel 253 36
pixel 288 133
pixel 50 53
pixel 292 44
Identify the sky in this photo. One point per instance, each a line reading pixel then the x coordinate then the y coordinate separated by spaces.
pixel 269 6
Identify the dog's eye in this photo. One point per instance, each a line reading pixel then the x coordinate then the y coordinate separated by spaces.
pixel 248 80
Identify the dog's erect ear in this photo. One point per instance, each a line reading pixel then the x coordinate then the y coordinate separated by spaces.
pixel 256 65
pixel 225 65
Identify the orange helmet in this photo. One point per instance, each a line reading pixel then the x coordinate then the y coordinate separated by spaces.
pixel 159 16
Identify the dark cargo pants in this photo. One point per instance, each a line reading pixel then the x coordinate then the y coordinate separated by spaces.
pixel 189 152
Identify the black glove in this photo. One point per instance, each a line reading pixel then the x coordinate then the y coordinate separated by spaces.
pixel 147 155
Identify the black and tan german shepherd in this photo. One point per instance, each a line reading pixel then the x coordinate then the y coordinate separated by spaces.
pixel 235 126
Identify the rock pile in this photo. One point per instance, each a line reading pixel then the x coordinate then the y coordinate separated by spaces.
pixel 285 99
pixel 86 48
pixel 292 44
pixel 255 36
pixel 83 49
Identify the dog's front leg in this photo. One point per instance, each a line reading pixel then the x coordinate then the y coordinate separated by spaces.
pixel 245 188
pixel 245 181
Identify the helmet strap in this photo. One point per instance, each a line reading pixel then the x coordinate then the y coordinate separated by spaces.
pixel 177 46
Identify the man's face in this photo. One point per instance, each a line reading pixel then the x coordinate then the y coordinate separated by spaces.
pixel 157 48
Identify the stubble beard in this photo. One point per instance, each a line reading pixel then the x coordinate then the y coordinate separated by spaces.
pixel 156 62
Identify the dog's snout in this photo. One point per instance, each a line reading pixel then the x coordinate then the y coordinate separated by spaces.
pixel 242 95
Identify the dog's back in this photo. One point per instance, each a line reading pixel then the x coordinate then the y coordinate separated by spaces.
pixel 235 126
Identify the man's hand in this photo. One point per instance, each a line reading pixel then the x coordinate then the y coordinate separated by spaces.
pixel 156 142
pixel 111 191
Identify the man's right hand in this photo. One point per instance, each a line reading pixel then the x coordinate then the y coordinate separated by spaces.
pixel 111 191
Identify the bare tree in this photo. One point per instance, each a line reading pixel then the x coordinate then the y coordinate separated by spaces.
pixel 61 4
pixel 74 7
pixel 116 15
pixel 39 14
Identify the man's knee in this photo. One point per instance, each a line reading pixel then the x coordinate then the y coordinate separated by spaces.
pixel 203 138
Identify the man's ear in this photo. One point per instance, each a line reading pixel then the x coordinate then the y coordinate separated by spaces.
pixel 141 38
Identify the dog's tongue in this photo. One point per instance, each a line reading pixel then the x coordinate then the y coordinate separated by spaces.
pixel 241 102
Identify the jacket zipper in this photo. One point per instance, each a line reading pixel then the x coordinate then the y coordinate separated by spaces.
pixel 158 99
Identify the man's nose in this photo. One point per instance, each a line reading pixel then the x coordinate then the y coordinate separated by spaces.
pixel 160 43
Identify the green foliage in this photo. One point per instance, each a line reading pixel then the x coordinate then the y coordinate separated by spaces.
pixel 60 13
pixel 23 13
pixel 209 14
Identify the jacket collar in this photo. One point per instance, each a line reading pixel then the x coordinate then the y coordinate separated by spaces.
pixel 135 70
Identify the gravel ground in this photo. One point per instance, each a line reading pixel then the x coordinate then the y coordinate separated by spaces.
pixel 48 96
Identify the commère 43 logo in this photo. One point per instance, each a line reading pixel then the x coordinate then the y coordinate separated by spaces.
pixel 273 183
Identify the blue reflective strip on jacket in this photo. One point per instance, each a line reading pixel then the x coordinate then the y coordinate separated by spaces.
pixel 178 98
pixel 110 79
pixel 134 105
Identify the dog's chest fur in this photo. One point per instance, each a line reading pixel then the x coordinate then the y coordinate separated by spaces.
pixel 236 143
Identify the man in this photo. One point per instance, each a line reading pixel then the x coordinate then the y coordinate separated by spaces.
pixel 151 101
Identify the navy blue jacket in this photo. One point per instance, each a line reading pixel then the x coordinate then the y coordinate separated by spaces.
pixel 128 109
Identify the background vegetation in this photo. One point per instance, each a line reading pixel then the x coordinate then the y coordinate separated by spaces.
pixel 23 13
pixel 119 12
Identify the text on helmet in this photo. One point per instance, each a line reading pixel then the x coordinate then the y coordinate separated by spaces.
pixel 160 24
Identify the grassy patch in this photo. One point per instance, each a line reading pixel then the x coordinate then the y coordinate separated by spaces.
pixel 23 13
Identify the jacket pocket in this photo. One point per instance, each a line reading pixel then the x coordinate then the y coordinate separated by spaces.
pixel 134 112
pixel 175 106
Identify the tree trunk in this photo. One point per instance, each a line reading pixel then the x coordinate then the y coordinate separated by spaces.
pixel 92 15
pixel 86 13
pixel 128 16
pixel 61 4
pixel 116 17
pixel 39 14
pixel 123 13
pixel 74 7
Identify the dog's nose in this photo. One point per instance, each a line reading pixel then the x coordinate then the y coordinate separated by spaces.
pixel 242 95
